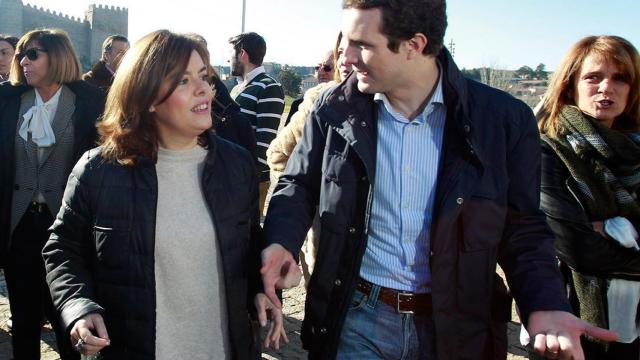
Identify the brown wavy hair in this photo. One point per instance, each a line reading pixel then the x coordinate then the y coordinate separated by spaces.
pixel 128 130
pixel 613 49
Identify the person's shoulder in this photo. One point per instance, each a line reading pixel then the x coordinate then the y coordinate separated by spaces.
pixel 7 89
pixel 483 93
pixel 227 148
pixel 84 90
pixel 266 79
pixel 92 165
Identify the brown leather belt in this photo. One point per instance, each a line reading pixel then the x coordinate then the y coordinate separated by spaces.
pixel 404 302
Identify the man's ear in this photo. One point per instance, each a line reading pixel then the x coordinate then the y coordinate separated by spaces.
pixel 243 55
pixel 416 45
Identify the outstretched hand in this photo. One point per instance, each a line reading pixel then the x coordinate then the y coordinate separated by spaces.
pixel 556 334
pixel 279 270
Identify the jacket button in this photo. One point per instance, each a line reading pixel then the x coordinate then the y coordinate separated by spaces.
pixel 323 330
pixel 467 128
pixel 431 253
pixel 338 282
pixel 16 187
pixel 363 124
pixel 352 230
pixel 340 98
pixel 460 201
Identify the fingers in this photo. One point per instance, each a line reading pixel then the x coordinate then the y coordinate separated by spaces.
pixel 273 258
pixel 83 339
pixel 567 350
pixel 599 333
pixel 261 309
pixel 552 350
pixel 100 328
pixel 276 330
pixel 540 344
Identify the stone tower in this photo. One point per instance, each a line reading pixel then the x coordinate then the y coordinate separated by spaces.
pixel 104 21
pixel 12 15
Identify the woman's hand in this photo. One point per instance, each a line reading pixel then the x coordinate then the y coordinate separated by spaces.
pixel 83 338
pixel 267 310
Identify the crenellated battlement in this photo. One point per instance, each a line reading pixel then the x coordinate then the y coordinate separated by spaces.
pixel 109 8
pixel 49 12
pixel 87 33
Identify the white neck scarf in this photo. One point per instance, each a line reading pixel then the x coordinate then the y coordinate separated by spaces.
pixel 37 121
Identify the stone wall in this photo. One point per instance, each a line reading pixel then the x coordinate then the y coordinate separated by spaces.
pixel 86 34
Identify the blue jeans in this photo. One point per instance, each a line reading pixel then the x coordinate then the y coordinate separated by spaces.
pixel 375 330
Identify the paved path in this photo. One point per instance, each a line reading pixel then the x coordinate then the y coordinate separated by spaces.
pixel 294 312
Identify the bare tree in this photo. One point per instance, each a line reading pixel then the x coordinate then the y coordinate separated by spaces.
pixel 492 75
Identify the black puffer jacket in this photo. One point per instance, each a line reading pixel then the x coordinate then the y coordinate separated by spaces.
pixel 100 257
pixel 89 107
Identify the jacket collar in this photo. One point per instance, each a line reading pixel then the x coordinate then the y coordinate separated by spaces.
pixel 346 106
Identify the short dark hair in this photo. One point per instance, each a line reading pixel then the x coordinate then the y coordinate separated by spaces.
pixel 107 45
pixel 402 19
pixel 253 44
pixel 12 40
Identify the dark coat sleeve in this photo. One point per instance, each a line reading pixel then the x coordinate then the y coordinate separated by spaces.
pixel 577 244
pixel 68 251
pixel 526 252
pixel 295 198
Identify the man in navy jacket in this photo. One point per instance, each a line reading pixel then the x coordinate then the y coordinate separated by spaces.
pixel 424 181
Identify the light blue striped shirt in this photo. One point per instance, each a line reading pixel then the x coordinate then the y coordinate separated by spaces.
pixel 408 153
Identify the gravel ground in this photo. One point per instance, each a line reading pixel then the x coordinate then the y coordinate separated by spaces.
pixel 294 312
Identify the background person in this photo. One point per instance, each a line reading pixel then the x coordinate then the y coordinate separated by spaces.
pixel 590 180
pixel 7 50
pixel 101 74
pixel 324 72
pixel 47 121
pixel 282 147
pixel 155 254
pixel 260 97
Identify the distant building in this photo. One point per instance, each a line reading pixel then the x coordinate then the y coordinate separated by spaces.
pixel 308 82
pixel 86 34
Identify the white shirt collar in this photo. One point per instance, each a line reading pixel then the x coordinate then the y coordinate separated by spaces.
pixel 436 98
pixel 253 73
pixel 38 119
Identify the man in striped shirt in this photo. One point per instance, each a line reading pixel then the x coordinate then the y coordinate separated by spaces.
pixel 259 95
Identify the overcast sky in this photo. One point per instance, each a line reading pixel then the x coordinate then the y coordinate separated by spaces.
pixel 503 33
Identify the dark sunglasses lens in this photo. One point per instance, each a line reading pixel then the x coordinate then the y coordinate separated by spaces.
pixel 325 68
pixel 31 54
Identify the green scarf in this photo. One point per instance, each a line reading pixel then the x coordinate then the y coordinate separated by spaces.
pixel 605 165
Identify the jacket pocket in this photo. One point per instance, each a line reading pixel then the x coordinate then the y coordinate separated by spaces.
pixel 483 223
pixel 339 170
pixel 112 246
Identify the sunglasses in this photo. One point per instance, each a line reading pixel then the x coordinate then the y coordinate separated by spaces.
pixel 325 68
pixel 31 54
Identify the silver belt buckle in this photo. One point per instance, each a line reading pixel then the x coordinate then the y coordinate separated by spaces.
pixel 399 296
